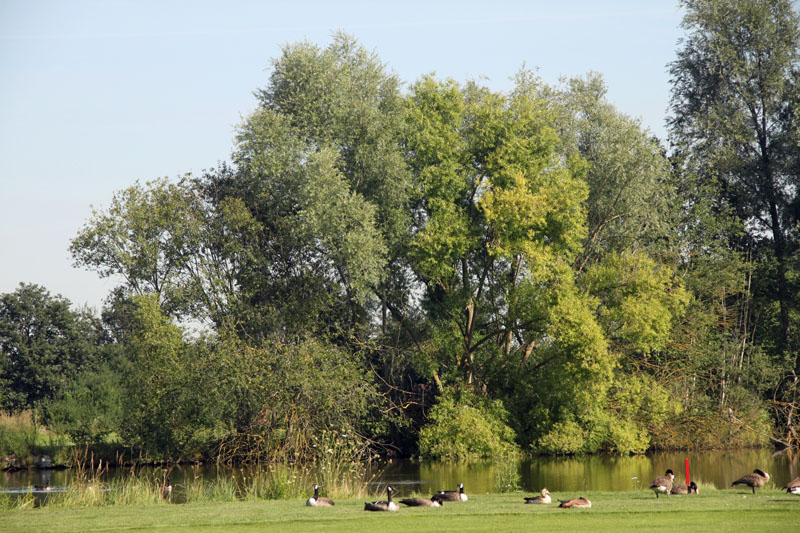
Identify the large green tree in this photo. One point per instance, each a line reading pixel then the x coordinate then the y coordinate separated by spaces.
pixel 733 119
pixel 43 345
pixel 500 220
pixel 174 241
pixel 734 128
pixel 631 200
pixel 320 168
pixel 499 217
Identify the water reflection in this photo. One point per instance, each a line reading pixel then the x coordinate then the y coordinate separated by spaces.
pixel 599 472
pixel 607 473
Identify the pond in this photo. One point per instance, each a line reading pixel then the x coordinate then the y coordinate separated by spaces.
pixel 597 472
pixel 561 474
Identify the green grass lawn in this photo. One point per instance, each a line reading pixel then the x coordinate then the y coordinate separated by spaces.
pixel 728 510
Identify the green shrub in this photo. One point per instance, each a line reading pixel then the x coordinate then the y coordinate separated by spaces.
pixel 600 430
pixel 88 409
pixel 627 437
pixel 463 426
pixel 294 402
pixel 172 401
pixel 636 406
pixel 565 437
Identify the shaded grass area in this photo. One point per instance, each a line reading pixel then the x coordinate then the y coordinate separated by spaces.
pixel 728 510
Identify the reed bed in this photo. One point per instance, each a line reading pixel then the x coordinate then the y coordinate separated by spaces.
pixel 19 433
pixel 22 438
pixel 341 466
pixel 91 486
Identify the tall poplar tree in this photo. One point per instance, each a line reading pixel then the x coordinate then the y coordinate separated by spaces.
pixel 734 102
pixel 733 118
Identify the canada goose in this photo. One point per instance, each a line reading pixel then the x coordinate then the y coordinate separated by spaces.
pixel 663 483
pixel 383 506
pixel 316 501
pixel 434 501
pixel 544 498
pixel 453 495
pixel 793 487
pixel 577 503
pixel 683 489
pixel 166 490
pixel 42 488
pixel 756 479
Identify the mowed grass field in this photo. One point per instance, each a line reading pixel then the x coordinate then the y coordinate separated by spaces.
pixel 726 510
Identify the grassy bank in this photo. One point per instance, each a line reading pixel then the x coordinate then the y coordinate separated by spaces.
pixel 728 510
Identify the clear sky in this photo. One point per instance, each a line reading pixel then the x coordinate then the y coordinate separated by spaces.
pixel 95 95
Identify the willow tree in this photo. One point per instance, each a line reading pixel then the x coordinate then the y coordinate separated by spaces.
pixel 317 253
pixel 733 117
pixel 499 221
pixel 171 240
pixel 631 199
pixel 734 102
pixel 320 168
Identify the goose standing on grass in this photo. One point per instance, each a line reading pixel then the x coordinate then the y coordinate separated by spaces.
pixel 663 483
pixel 757 479
pixel 793 487
pixel 453 495
pixel 683 489
pixel 316 501
pixel 383 506
pixel 544 498
pixel 434 501
pixel 577 503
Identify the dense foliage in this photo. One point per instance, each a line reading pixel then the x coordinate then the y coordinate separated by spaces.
pixel 449 271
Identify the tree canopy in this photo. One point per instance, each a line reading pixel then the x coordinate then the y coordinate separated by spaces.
pixel 399 264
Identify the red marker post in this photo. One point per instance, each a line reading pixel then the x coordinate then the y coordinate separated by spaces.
pixel 687 471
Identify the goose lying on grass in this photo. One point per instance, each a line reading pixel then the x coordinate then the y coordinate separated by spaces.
pixel 793 487
pixel 452 495
pixel 317 501
pixel 435 501
pixel 683 489
pixel 577 503
pixel 383 506
pixel 544 498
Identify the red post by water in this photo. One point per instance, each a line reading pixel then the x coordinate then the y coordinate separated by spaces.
pixel 687 471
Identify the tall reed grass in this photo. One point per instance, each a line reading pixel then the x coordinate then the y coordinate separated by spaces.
pixel 222 488
pixel 19 435
pixel 23 438
pixel 341 466
pixel 507 477
pixel 91 485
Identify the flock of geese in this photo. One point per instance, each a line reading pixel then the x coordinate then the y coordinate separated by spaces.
pixel 389 505
pixel 661 485
pixel 757 479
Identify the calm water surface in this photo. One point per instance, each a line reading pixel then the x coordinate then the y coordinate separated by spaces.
pixel 607 473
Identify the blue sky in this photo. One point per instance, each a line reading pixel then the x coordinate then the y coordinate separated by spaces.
pixel 95 95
